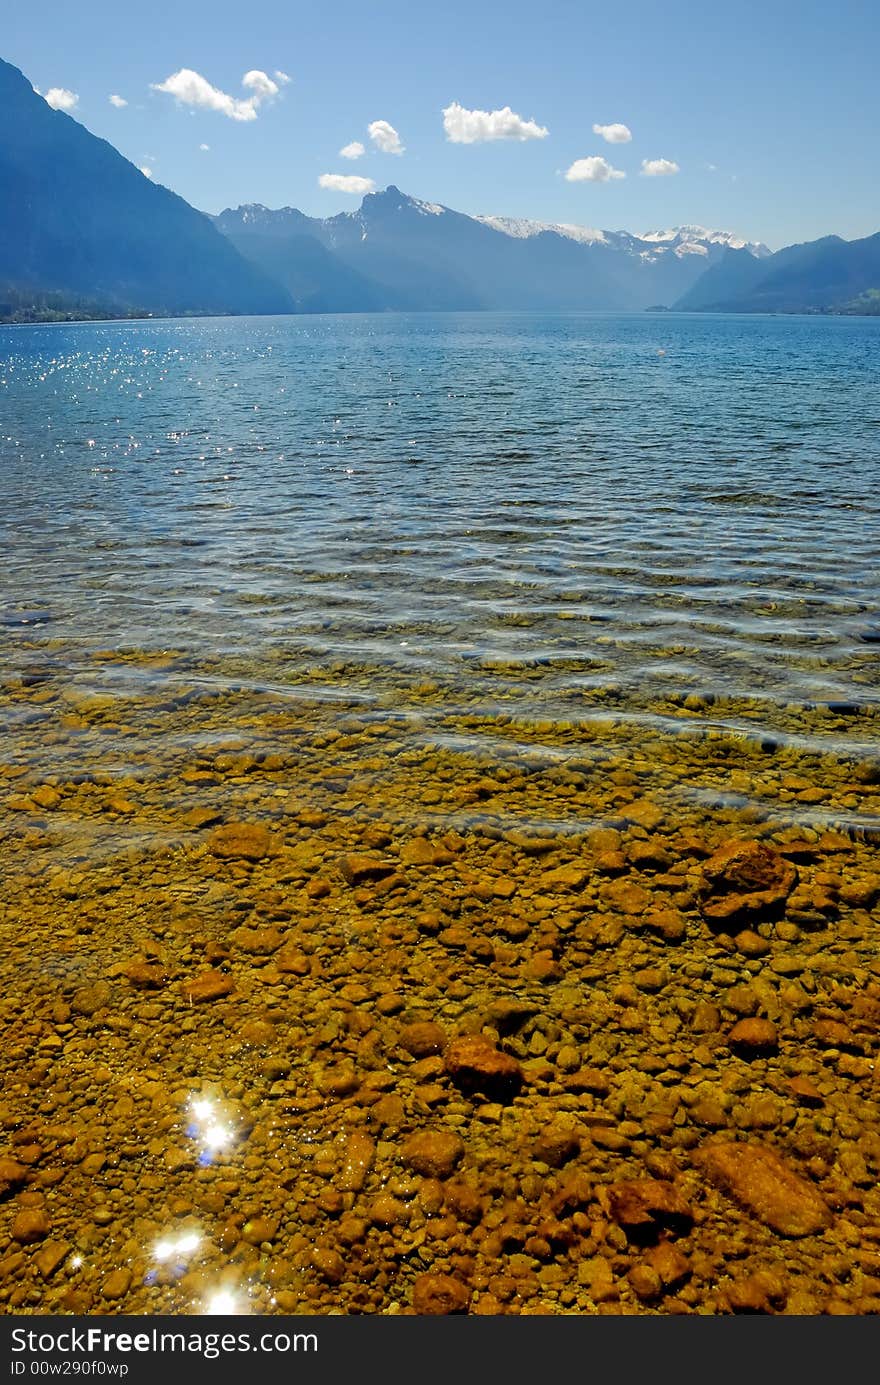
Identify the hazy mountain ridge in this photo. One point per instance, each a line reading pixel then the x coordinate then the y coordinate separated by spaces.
pixel 420 254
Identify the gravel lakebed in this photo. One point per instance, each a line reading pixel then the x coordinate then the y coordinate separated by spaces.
pixel 316 1006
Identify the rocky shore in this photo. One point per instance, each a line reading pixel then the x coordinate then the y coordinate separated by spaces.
pixel 316 1008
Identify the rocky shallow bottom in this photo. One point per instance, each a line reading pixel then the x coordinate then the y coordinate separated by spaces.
pixel 312 1009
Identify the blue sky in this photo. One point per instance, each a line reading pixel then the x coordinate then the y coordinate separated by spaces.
pixel 769 111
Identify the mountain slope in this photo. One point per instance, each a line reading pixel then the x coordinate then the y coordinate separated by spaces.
pixel 735 274
pixel 827 275
pixel 387 243
pixel 76 218
pixel 285 247
pixel 422 255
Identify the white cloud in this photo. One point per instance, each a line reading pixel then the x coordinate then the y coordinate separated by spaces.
pixel 260 83
pixel 282 77
pixel 60 99
pixel 659 168
pixel 204 148
pixel 117 101
pixel 192 89
pixel 352 151
pixel 147 172
pixel 385 137
pixel 614 134
pixel 346 182
pixel 474 127
pixel 595 169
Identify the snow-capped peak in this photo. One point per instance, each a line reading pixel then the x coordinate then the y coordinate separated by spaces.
pixel 520 228
pixel 677 240
pixel 691 240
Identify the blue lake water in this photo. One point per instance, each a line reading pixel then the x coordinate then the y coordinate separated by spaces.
pixel 550 515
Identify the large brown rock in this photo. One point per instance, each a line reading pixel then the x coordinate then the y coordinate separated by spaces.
pixel 669 1264
pixel 626 896
pixel 758 1179
pixel 646 1206
pixel 476 1065
pixel 12 1175
pixel 743 881
pixel 117 1283
pixel 643 813
pixel 51 1256
pixel 248 841
pixel 31 1224
pixel 433 1153
pixel 804 1090
pixel 439 1294
pixel 329 1264
pixel 753 1036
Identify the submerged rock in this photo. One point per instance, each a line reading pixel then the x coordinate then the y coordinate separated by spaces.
pixel 753 1036
pixel 758 1179
pixel 476 1065
pixel 12 1175
pixel 249 841
pixel 433 1153
pixel 357 868
pixel 146 976
pixel 117 1284
pixel 743 881
pixel 211 985
pixel 646 1206
pixel 31 1224
pixel 89 999
pixel 422 1038
pixel 360 1152
pixel 439 1294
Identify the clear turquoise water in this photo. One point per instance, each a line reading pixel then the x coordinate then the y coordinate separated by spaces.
pixel 554 515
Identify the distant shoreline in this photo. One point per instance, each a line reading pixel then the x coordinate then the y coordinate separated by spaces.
pixel 61 319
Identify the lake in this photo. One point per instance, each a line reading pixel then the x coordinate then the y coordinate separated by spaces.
pixel 371 684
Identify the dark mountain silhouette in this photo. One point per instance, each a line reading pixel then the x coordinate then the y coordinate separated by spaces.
pixel 79 220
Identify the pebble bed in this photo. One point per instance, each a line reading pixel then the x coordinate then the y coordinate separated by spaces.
pixel 312 1007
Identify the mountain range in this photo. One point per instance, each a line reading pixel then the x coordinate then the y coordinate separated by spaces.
pixel 83 232
pixel 411 254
